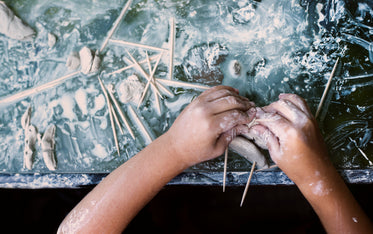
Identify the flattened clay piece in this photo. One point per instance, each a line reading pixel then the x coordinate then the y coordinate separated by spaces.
pixel 73 61
pixel 248 150
pixel 96 63
pixel 12 26
pixel 47 147
pixel 86 59
pixel 130 90
pixel 235 68
pixel 52 39
pixel 25 120
pixel 31 135
pixel 259 141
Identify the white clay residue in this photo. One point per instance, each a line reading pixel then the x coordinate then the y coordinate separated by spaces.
pixel 52 39
pixel 12 26
pixel 89 61
pixel 100 151
pixel 73 61
pixel 47 147
pixel 318 188
pixel 130 90
pixel 81 100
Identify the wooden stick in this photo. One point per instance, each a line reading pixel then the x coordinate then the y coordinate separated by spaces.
pixel 357 77
pixel 361 151
pixel 181 83
pixel 151 71
pixel 143 72
pixel 116 24
pixel 271 167
pixel 116 119
pixel 157 103
pixel 111 115
pixel 150 80
pixel 147 47
pixel 38 89
pixel 146 75
pixel 145 132
pixel 172 47
pixel 326 89
pixel 225 168
pixel 121 114
pixel 248 183
pixel 131 66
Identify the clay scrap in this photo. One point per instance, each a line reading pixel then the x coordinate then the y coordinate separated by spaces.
pixel 31 136
pixel 248 150
pixel 47 147
pixel 12 26
pixel 89 60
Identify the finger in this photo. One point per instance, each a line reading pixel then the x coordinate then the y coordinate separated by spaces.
pixel 211 93
pixel 223 91
pixel 227 120
pixel 288 110
pixel 276 123
pixel 264 138
pixel 227 103
pixel 298 101
pixel 225 138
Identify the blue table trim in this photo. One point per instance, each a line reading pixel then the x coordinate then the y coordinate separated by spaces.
pixel 75 180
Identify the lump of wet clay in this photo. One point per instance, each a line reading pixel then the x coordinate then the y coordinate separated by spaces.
pixel 73 61
pixel 31 135
pixel 248 150
pixel 234 68
pixel 12 26
pixel 89 61
pixel 130 90
pixel 47 147
pixel 52 39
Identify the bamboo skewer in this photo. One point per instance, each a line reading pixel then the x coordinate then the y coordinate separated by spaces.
pixel 172 48
pixel 145 132
pixel 361 151
pixel 248 183
pixel 181 83
pixel 131 66
pixel 150 80
pixel 357 77
pixel 326 89
pixel 110 114
pixel 225 168
pixel 147 47
pixel 116 24
pixel 38 89
pixel 116 119
pixel 144 73
pixel 121 114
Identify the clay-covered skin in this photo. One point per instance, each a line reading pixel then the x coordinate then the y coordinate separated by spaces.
pixel 296 146
pixel 213 120
pixel 12 26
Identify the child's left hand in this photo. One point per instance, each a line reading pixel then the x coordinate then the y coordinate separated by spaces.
pixel 206 127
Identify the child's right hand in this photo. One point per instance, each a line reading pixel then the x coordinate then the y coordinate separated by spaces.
pixel 292 137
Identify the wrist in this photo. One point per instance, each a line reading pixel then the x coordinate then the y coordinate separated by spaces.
pixel 176 156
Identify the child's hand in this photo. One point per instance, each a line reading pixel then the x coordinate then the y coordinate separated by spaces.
pixel 292 136
pixel 205 128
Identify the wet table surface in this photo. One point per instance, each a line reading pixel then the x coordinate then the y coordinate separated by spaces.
pixel 281 46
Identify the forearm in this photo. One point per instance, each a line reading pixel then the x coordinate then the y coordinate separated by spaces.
pixel 117 199
pixel 333 202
